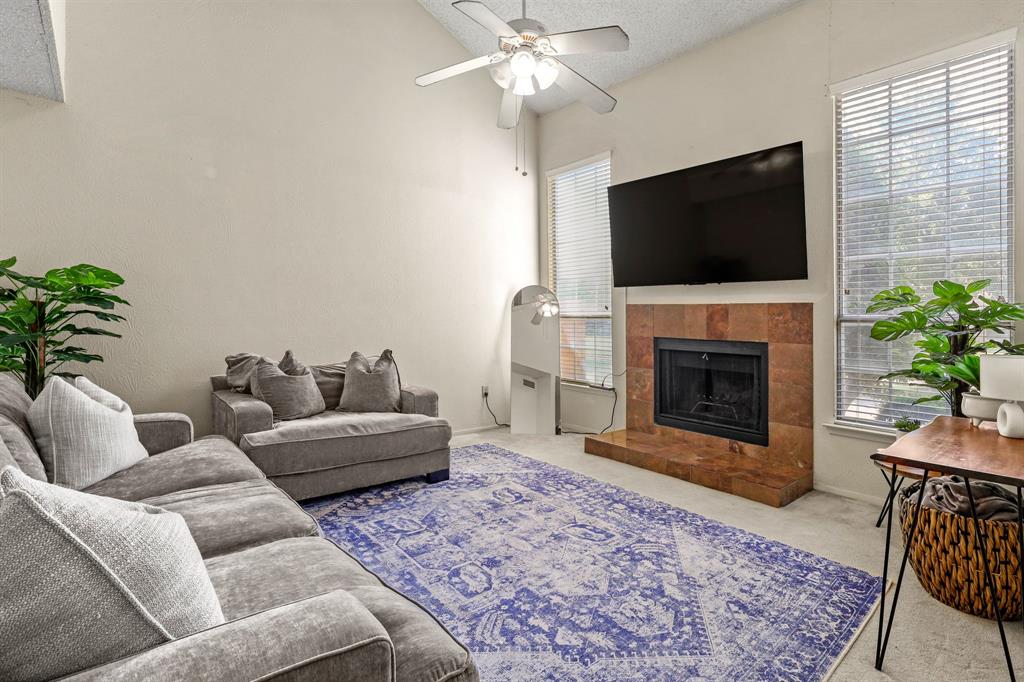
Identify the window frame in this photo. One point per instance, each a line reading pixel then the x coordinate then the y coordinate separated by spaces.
pixel 547 243
pixel 1006 38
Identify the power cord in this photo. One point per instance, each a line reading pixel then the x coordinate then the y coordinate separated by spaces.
pixel 487 404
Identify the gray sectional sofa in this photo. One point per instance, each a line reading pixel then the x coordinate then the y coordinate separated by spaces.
pixel 334 451
pixel 297 607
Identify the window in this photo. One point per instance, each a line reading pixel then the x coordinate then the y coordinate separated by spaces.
pixel 924 191
pixel 580 268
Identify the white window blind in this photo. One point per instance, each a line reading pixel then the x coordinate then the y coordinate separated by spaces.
pixel 580 269
pixel 924 191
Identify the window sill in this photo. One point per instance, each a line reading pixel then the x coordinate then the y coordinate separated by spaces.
pixel 878 434
pixel 586 388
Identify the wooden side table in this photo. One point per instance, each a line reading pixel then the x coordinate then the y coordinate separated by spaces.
pixel 951 446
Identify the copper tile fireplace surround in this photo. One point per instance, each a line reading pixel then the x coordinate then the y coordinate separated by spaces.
pixel 776 473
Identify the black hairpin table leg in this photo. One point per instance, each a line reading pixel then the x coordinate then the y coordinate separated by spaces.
pixel 889 497
pixel 883 642
pixel 990 582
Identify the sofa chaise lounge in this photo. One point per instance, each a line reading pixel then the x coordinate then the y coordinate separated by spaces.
pixel 298 608
pixel 334 451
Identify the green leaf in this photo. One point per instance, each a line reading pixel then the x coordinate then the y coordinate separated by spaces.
pixel 7 262
pixel 17 339
pixel 945 289
pixel 907 322
pixel 933 343
pixel 979 285
pixel 928 399
pixel 891 299
pixel 85 331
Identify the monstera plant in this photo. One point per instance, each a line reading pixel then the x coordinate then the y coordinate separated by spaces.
pixel 953 328
pixel 40 318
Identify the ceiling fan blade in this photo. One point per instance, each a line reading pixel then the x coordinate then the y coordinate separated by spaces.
pixel 508 112
pixel 605 39
pixel 583 90
pixel 461 67
pixel 481 14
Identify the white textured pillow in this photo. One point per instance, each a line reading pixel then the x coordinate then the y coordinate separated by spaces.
pixel 89 579
pixel 83 433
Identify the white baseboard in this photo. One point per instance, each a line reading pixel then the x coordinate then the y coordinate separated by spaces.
pixel 852 494
pixel 477 429
pixel 577 428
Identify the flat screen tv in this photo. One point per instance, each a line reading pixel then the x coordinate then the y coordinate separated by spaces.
pixel 735 220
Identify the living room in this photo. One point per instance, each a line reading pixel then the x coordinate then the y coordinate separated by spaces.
pixel 252 178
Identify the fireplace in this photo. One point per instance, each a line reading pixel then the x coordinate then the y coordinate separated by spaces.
pixel 714 387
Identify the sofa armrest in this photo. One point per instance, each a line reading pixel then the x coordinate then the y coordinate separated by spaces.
pixel 236 414
pixel 331 636
pixel 419 400
pixel 162 431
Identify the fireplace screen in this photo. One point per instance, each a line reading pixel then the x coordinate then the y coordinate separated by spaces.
pixel 714 387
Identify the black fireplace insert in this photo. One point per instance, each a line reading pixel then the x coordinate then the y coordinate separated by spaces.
pixel 714 387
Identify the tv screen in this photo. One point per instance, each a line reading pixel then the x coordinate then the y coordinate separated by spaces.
pixel 735 220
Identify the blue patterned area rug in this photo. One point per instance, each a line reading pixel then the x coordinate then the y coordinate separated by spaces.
pixel 546 574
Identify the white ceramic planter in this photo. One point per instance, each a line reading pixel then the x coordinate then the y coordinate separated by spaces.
pixel 979 408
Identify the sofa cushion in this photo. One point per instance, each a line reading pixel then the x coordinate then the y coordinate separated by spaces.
pixel 89 579
pixel 371 389
pixel 83 432
pixel 281 572
pixel 289 396
pixel 207 461
pixel 288 570
pixel 22 448
pixel 14 429
pixel 333 439
pixel 233 516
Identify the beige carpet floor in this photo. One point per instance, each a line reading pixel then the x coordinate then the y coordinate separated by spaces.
pixel 930 641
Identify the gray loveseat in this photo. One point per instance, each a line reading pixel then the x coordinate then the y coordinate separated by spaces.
pixel 298 607
pixel 333 451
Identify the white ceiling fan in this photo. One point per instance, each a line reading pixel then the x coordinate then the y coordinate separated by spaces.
pixel 527 60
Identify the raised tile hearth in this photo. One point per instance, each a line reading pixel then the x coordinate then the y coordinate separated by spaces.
pixel 775 473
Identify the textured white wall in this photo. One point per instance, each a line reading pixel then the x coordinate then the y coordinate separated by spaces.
pixel 267 176
pixel 764 86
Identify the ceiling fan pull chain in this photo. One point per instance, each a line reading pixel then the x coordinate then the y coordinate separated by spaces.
pixel 517 145
pixel 523 121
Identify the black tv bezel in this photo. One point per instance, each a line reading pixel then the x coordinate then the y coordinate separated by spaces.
pixel 804 272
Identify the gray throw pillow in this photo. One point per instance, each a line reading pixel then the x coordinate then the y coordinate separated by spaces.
pixel 290 397
pixel 241 367
pixel 330 379
pixel 289 365
pixel 376 389
pixel 90 579
pixel 84 434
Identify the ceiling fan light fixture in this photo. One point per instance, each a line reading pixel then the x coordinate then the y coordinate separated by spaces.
pixel 523 63
pixel 547 72
pixel 502 75
pixel 524 86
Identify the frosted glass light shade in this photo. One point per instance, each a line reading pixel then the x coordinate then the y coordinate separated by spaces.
pixel 1002 377
pixel 547 72
pixel 524 87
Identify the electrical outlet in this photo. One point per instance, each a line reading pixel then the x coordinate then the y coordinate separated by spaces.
pixel 484 392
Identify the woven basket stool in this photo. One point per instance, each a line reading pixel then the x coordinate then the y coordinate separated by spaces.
pixel 945 558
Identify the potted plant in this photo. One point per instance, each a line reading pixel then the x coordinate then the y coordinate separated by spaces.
pixel 955 327
pixel 906 424
pixel 40 316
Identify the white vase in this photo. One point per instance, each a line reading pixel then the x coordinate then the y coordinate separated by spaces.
pixel 979 408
